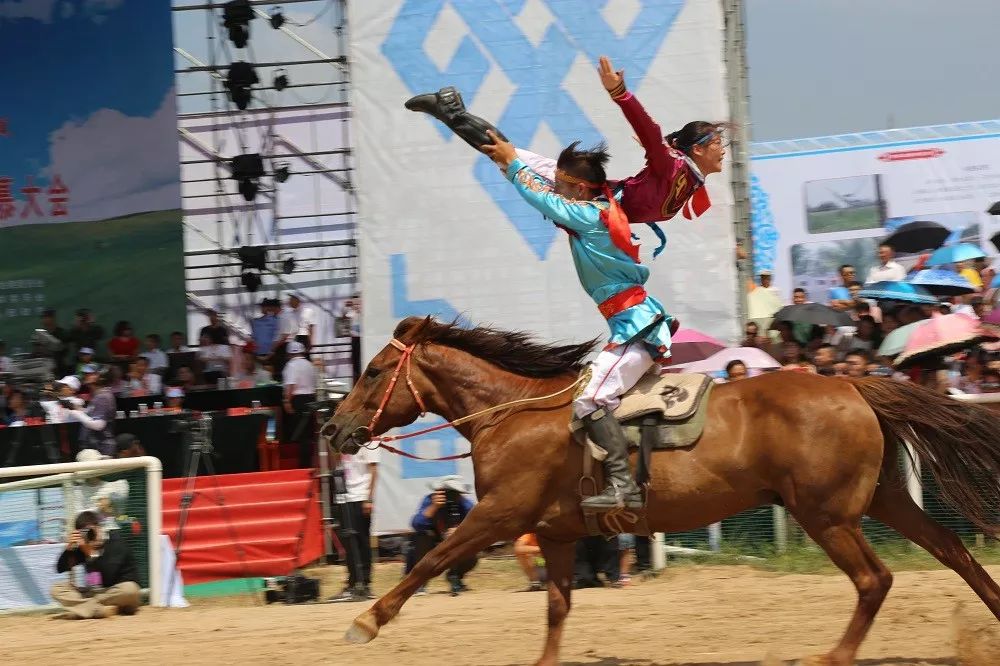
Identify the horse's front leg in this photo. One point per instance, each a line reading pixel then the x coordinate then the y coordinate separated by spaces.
pixel 559 557
pixel 485 524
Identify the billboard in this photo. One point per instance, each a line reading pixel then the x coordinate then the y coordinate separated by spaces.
pixel 822 202
pixel 89 179
pixel 442 233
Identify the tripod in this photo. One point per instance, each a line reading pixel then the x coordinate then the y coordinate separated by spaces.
pixel 197 433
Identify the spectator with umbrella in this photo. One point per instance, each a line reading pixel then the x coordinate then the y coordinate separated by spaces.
pixel 917 236
pixel 888 270
pixel 941 282
pixel 689 345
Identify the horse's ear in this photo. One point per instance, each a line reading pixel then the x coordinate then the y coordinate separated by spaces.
pixel 411 328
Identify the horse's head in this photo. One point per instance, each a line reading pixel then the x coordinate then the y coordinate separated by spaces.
pixel 389 394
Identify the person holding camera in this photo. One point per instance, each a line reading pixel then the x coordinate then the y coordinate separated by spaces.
pixel 98 419
pixel 111 586
pixel 439 514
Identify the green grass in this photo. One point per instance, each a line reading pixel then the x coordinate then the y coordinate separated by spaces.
pixel 843 220
pixel 125 268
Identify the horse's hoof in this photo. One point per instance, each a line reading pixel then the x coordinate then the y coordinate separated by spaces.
pixel 362 630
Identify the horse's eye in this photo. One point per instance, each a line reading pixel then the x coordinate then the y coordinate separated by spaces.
pixel 372 373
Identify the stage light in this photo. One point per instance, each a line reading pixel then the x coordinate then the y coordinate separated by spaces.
pixel 236 17
pixel 281 172
pixel 252 256
pixel 246 170
pixel 280 80
pixel 239 80
pixel 277 18
pixel 288 266
pixel 250 280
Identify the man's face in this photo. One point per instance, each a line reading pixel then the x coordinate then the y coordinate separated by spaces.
pixel 293 303
pixel 854 290
pixel 574 191
pixel 751 331
pixel 798 298
pixel 856 365
pixel 765 281
pixel 848 274
pixel 150 344
pixel 142 366
pixel 824 357
pixel 176 340
pixel 790 352
pixel 213 318
pixel 738 371
pixel 48 321
pixel 884 253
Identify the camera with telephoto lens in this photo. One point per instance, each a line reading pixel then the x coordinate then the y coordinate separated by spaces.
pixel 452 508
pixel 89 535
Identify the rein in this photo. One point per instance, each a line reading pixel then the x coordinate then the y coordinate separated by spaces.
pixel 405 359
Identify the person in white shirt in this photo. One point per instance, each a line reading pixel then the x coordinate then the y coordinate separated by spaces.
pixel 177 345
pixel 216 359
pixel 300 389
pixel 66 389
pixel 142 381
pixel 888 269
pixel 157 357
pixel 356 505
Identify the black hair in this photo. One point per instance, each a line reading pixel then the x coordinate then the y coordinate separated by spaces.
pixel 86 519
pixel 732 364
pixel 49 312
pixel 155 337
pixel 125 441
pixel 689 136
pixel 854 283
pixel 121 327
pixel 585 164
pixel 798 289
pixel 859 352
pixel 843 266
pixel 173 333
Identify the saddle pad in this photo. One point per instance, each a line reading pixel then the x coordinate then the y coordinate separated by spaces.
pixel 670 434
pixel 675 396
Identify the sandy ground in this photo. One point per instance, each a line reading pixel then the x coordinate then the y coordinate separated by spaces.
pixel 691 616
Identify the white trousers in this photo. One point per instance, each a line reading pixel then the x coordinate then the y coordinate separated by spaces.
pixel 613 373
pixel 543 166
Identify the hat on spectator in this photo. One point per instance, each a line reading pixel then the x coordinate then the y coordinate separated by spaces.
pixel 764 271
pixel 175 392
pixel 86 350
pixel 296 347
pixel 89 455
pixel 450 482
pixel 71 381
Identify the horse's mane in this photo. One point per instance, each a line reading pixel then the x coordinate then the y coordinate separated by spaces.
pixel 514 351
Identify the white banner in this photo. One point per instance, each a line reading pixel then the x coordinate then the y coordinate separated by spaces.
pixel 442 233
pixel 819 203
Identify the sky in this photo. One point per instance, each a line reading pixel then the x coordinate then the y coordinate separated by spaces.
pixel 820 67
pixel 101 116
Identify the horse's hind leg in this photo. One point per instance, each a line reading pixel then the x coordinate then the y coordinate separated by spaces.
pixel 894 507
pixel 843 542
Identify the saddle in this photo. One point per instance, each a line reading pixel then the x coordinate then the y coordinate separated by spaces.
pixel 659 412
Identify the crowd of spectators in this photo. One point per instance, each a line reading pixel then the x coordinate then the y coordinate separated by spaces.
pixel 853 350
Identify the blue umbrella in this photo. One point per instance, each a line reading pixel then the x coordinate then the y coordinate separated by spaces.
pixel 952 254
pixel 898 291
pixel 942 283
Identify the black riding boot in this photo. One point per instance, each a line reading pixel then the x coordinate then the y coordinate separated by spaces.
pixel 447 106
pixel 620 489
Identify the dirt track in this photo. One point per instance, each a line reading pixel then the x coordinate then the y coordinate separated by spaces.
pixel 695 616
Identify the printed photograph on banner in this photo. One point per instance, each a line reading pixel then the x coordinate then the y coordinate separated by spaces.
pixel 844 204
pixel 89 177
pixel 816 266
pixel 963 227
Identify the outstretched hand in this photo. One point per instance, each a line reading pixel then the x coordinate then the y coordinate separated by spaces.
pixel 500 151
pixel 611 79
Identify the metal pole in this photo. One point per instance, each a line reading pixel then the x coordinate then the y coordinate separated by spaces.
pixel 715 537
pixel 780 528
pixel 736 75
pixel 659 556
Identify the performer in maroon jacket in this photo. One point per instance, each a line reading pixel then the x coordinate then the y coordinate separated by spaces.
pixel 676 165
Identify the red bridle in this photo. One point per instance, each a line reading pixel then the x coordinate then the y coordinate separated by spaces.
pixel 404 358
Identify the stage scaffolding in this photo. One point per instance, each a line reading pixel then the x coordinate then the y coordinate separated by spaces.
pixel 305 128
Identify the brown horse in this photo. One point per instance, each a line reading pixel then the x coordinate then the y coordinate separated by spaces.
pixel 826 448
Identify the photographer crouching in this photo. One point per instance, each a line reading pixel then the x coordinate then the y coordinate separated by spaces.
pixel 438 516
pixel 111 586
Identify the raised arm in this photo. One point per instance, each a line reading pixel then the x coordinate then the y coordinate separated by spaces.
pixel 646 130
pixel 537 191
pixel 575 216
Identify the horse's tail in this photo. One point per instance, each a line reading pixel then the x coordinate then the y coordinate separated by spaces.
pixel 958 442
